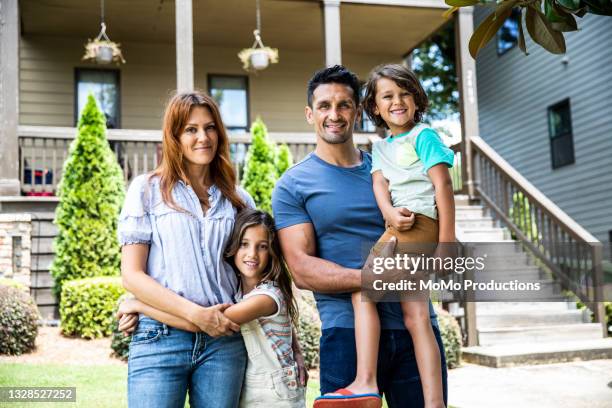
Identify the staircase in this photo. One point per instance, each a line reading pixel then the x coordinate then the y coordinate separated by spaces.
pixel 514 332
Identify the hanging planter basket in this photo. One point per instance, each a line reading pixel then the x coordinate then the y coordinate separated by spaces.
pixel 258 58
pixel 102 50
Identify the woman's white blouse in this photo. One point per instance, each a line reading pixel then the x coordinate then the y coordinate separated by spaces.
pixel 185 247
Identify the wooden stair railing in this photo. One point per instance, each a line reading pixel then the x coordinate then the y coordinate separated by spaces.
pixel 571 253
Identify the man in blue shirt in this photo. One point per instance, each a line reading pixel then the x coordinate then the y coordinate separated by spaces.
pixel 326 215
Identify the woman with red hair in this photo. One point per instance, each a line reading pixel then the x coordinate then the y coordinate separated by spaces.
pixel 173 228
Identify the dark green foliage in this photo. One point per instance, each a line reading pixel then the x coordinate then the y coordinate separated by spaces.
pixel 91 193
pixel 87 306
pixel 120 344
pixel 18 316
pixel 451 337
pixel 309 329
pixel 434 64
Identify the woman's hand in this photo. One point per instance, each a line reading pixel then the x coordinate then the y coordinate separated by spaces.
pixel 402 219
pixel 127 314
pixel 212 321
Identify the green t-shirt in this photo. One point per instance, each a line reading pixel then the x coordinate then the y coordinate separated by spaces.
pixel 404 161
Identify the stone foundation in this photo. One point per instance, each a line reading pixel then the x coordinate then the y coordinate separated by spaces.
pixel 15 247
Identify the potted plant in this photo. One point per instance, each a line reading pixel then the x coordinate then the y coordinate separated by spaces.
pixel 103 51
pixel 258 57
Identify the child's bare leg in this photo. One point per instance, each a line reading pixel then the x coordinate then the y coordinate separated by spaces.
pixel 418 323
pixel 367 334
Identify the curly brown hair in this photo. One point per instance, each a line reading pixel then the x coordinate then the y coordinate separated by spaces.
pixel 405 79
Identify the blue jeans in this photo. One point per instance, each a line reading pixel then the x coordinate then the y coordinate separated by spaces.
pixel 398 374
pixel 165 363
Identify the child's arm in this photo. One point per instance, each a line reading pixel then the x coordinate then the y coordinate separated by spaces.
pixel 445 201
pixel 401 218
pixel 251 308
pixel 130 306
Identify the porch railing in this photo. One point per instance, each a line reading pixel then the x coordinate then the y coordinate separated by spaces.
pixel 571 253
pixel 43 150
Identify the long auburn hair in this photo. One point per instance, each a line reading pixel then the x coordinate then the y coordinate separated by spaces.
pixel 276 270
pixel 172 166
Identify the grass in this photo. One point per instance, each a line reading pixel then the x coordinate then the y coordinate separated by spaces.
pixel 96 386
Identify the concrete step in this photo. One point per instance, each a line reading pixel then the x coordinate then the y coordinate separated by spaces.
pixel 530 318
pixel 538 353
pixel 468 223
pixel 469 212
pixel 462 199
pixel 484 235
pixel 518 307
pixel 538 334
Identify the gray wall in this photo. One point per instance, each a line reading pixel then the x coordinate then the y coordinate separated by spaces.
pixel 514 92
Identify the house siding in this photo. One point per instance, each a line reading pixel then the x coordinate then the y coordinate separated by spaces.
pixel 277 94
pixel 514 92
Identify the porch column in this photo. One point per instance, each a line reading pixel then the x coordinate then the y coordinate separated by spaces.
pixel 184 45
pixel 466 67
pixel 331 23
pixel 9 97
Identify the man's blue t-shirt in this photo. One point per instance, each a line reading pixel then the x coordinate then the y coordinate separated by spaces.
pixel 339 202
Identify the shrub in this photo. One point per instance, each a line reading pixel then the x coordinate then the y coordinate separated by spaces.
pixel 284 159
pixel 18 316
pixel 120 344
pixel 451 337
pixel 87 306
pixel 91 192
pixel 260 172
pixel 309 329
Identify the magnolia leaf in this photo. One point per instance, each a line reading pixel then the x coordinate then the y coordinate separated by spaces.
pixel 521 38
pixel 448 13
pixel 560 19
pixel 542 33
pixel 486 30
pixel 461 3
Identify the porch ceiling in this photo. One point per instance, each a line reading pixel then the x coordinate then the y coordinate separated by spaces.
pixel 293 24
pixel 286 24
pixel 386 30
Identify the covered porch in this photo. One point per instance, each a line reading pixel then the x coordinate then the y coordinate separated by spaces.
pixel 183 45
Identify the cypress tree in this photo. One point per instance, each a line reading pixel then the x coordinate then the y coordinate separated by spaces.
pixel 91 193
pixel 260 171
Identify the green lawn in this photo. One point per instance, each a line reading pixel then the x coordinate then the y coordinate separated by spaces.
pixel 96 386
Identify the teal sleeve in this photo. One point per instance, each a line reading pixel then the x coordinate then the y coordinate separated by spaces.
pixel 431 150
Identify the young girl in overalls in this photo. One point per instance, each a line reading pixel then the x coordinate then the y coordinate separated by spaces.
pixel 266 311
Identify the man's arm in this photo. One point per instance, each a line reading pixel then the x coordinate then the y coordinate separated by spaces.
pixel 312 273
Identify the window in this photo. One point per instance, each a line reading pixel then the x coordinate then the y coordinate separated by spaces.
pixel 104 85
pixel 232 94
pixel 507 35
pixel 560 131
